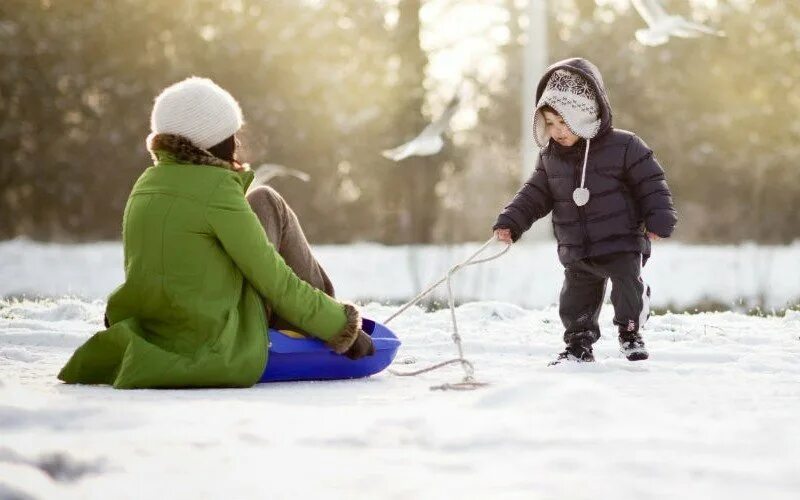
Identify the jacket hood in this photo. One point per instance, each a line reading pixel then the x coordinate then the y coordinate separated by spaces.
pixel 167 148
pixel 182 150
pixel 592 74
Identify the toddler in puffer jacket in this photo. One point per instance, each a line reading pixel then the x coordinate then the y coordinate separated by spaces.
pixel 609 199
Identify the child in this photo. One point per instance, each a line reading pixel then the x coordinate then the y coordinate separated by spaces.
pixel 204 269
pixel 609 198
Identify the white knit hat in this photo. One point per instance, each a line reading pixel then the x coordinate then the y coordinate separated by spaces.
pixel 197 109
pixel 574 98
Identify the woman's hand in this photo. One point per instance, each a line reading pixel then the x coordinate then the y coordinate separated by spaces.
pixel 503 234
pixel 362 346
pixel 653 236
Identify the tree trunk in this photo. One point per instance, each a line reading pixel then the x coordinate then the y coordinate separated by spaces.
pixel 415 178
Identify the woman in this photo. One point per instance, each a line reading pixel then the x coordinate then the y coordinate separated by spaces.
pixel 201 275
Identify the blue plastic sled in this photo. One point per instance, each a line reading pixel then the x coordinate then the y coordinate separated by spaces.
pixel 310 359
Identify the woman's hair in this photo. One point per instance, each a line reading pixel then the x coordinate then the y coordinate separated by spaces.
pixel 226 150
pixel 549 109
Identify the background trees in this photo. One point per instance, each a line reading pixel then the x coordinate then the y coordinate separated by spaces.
pixel 327 84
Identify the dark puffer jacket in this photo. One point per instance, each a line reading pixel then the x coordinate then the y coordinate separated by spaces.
pixel 629 194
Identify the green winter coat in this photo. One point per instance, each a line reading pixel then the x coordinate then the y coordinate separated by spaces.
pixel 198 270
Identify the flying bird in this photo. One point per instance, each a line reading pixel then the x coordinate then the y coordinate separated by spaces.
pixel 429 141
pixel 268 171
pixel 661 25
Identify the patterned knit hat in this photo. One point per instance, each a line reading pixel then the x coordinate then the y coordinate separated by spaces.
pixel 197 109
pixel 574 98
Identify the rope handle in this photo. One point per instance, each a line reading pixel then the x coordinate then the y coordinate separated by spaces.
pixel 469 381
pixel 453 270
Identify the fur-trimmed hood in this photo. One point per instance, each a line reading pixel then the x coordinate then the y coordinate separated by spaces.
pixel 182 150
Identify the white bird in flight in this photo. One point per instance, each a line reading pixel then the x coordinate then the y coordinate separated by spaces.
pixel 429 141
pixel 268 171
pixel 661 25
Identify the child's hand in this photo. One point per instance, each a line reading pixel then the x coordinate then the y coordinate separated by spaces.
pixel 504 235
pixel 653 236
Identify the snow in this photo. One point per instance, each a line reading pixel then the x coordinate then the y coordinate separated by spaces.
pixel 681 276
pixel 711 415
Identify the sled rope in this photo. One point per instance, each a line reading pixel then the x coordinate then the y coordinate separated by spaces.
pixel 468 382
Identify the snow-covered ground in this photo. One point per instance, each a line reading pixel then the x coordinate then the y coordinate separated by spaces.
pixel 681 276
pixel 712 414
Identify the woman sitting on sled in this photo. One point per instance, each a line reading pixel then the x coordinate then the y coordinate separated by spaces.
pixel 206 268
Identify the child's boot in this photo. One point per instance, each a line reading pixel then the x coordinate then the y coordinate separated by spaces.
pixel 579 349
pixel 632 346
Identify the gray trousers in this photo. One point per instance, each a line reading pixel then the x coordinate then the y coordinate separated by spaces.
pixel 284 232
pixel 584 289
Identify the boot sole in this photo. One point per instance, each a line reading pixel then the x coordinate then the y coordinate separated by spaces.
pixel 559 361
pixel 637 356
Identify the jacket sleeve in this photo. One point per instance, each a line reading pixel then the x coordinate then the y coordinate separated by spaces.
pixel 237 228
pixel 532 202
pixel 646 182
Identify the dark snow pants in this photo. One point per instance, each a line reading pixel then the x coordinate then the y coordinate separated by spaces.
pixel 584 289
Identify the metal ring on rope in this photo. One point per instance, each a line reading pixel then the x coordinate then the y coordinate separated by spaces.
pixel 468 382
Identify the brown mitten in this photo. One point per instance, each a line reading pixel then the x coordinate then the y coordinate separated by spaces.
pixel 363 346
